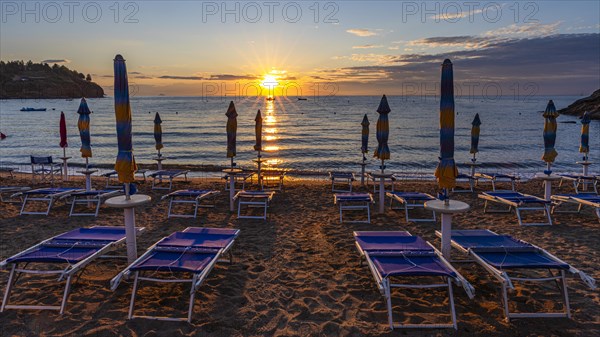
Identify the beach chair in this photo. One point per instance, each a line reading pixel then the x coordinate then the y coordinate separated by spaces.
pixel 68 254
pixel 253 199
pixel 388 183
pixel 6 193
pixel 579 180
pixel 354 202
pixel 397 255
pixel 465 178
pixel 44 168
pixel 508 260
pixel 239 179
pixel 8 170
pixel 158 176
pixel 45 196
pixel 409 201
pixel 271 180
pixel 579 199
pixel 194 197
pixel 91 198
pixel 496 178
pixel 193 252
pixel 341 181
pixel 519 202
pixel 110 176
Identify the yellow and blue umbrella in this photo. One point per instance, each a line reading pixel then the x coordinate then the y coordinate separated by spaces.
pixel 383 132
pixel 84 129
pixel 125 164
pixel 585 136
pixel 365 136
pixel 550 127
pixel 231 131
pixel 158 133
pixel 475 136
pixel 446 170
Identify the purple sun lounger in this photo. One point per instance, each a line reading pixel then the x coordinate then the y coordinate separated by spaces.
pixel 195 251
pixel 341 181
pixel 92 198
pixel 519 202
pixel 354 202
pixel 503 256
pixel 11 190
pixel 193 197
pixel 580 199
pixel 72 250
pixel 409 201
pixel 158 176
pixel 45 195
pixel 399 255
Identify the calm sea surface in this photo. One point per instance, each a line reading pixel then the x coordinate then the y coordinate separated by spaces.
pixel 316 135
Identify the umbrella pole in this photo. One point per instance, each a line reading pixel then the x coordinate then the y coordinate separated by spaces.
pixel 362 171
pixel 446 199
pixel 65 167
pixel 232 162
pixel 382 190
pixel 259 162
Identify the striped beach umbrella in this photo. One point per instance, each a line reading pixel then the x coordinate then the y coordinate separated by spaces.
pixel 258 131
pixel 475 135
pixel 550 127
pixel 63 131
pixel 383 132
pixel 446 170
pixel 585 136
pixel 125 164
pixel 364 148
pixel 231 131
pixel 84 129
pixel 158 132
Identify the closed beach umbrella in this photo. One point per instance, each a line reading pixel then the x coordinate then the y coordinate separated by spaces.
pixel 585 136
pixel 63 131
pixel 364 148
pixel 475 135
pixel 231 131
pixel 383 132
pixel 446 170
pixel 550 127
pixel 125 164
pixel 84 129
pixel 158 132
pixel 258 131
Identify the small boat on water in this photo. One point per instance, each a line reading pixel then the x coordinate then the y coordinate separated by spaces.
pixel 33 109
pixel 270 98
pixel 302 99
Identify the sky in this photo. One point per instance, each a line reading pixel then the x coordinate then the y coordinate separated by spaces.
pixel 306 48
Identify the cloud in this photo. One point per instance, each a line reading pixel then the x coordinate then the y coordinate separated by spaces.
pixel 187 78
pixel 56 61
pixel 526 30
pixel 361 32
pixel 229 77
pixel 367 46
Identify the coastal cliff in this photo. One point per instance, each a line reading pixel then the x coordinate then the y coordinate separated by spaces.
pixel 590 104
pixel 40 80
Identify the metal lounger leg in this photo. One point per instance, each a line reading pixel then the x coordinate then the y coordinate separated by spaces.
pixel 65 295
pixel 133 292
pixel 452 309
pixel 565 294
pixel 505 300
pixel 9 285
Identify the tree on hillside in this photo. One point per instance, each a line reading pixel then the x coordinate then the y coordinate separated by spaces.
pixel 88 78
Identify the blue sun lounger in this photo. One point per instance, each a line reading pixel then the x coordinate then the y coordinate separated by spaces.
pixel 158 176
pixel 253 199
pixel 354 202
pixel 341 181
pixel 503 256
pixel 399 255
pixel 409 201
pixel 519 202
pixel 463 177
pixel 580 199
pixel 71 251
pixel 193 197
pixel 579 180
pixel 45 195
pixel 94 197
pixel 495 178
pixel 11 190
pixel 194 251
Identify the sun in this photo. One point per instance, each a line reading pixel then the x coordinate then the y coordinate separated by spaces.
pixel 269 81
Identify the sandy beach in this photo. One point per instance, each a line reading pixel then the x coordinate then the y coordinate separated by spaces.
pixel 297 274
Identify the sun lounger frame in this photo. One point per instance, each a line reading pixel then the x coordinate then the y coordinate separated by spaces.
pixel 109 177
pixel 341 181
pixel 348 204
pixel 185 199
pixel 518 207
pixel 196 280
pixel 268 177
pixel 47 198
pixel 372 180
pixel 495 178
pixel 254 199
pixel 506 280
pixel 90 198
pixel 578 180
pixel 573 199
pixel 470 179
pixel 384 285
pixel 239 178
pixel 408 204
pixel 64 274
pixel 13 190
pixel 158 176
